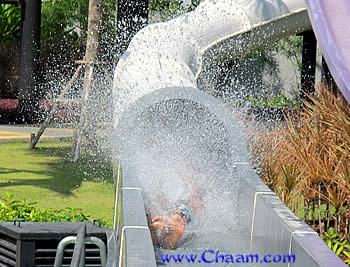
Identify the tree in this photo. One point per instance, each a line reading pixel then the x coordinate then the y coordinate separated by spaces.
pixel 84 129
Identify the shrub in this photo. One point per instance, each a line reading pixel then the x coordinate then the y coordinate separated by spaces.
pixel 10 17
pixel 21 210
pixel 339 245
pixel 307 163
pixel 167 9
pixel 276 101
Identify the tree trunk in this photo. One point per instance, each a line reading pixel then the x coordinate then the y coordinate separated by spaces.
pixel 85 127
pixel 95 8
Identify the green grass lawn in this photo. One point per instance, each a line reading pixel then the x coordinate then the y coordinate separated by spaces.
pixel 48 176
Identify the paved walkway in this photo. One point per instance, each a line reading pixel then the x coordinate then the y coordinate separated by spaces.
pixel 9 132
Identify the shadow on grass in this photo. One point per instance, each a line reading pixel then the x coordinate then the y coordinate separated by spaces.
pixel 60 173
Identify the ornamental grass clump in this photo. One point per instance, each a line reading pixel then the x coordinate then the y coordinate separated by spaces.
pixel 307 162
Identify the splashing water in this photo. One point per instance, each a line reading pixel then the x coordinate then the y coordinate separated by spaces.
pixel 177 147
pixel 179 150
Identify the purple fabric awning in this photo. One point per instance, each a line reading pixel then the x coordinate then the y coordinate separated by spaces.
pixel 331 23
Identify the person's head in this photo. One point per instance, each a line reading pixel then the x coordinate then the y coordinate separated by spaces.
pixel 166 231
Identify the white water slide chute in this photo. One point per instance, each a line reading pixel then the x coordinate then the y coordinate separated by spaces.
pixel 155 85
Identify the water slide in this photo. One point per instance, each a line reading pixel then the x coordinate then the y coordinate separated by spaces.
pixel 161 118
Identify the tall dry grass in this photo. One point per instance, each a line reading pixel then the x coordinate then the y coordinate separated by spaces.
pixel 307 163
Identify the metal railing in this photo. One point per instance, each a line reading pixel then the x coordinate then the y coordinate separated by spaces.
pixel 78 259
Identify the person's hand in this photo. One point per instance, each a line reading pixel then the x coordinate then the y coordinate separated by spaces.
pixel 167 230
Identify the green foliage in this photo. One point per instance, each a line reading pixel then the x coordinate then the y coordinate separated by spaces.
pixel 59 18
pixel 170 8
pixel 159 5
pixel 339 245
pixel 68 19
pixel 10 16
pixel 21 210
pixel 292 47
pixel 277 101
pixel 63 18
pixel 61 21
pixel 262 55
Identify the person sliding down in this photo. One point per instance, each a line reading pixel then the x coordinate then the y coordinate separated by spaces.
pixel 168 230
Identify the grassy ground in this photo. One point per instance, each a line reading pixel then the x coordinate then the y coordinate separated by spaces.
pixel 47 176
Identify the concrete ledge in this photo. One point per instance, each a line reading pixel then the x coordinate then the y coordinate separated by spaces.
pixel 131 181
pixel 277 230
pixel 250 184
pixel 133 208
pixel 139 250
pixel 274 228
pixel 311 251
pixel 136 248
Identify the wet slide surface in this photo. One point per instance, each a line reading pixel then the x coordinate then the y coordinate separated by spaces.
pixel 330 21
pixel 225 243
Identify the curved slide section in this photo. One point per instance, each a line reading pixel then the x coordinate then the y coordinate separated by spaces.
pixel 330 21
pixel 171 54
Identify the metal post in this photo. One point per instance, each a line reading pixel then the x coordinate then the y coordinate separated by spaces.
pixel 25 251
pixel 72 240
pixel 78 259
pixel 327 78
pixel 308 69
pixel 132 16
pixel 30 46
